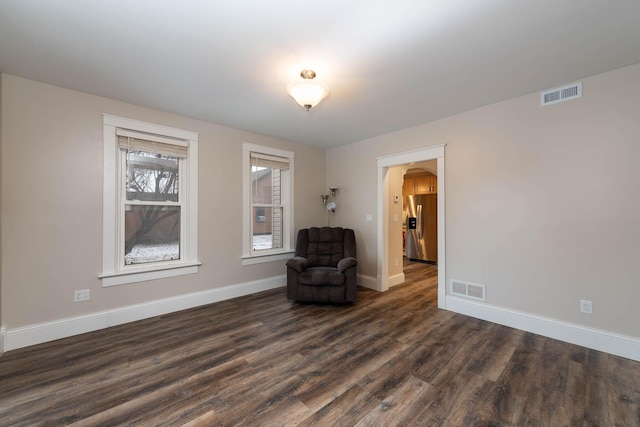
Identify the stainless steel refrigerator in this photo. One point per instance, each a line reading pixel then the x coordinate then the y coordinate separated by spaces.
pixel 422 227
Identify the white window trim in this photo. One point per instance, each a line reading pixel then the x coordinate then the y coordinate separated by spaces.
pixel 248 255
pixel 113 270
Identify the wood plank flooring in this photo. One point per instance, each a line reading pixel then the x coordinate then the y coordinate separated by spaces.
pixel 391 359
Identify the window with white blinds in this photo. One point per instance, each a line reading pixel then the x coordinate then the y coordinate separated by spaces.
pixel 261 160
pixel 268 208
pixel 129 140
pixel 150 222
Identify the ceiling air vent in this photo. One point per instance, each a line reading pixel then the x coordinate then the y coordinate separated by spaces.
pixel 561 94
pixel 468 290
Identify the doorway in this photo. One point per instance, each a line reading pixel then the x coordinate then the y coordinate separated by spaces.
pixel 419 212
pixel 384 197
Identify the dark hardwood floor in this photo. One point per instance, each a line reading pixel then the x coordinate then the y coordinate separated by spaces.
pixel 392 358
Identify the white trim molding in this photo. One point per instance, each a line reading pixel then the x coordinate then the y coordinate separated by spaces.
pixel 396 279
pixel 249 256
pixel 114 272
pixel 384 163
pixel 367 282
pixel 259 259
pixel 608 342
pixel 3 339
pixel 49 331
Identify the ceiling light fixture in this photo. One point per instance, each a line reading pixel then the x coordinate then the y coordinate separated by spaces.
pixel 307 93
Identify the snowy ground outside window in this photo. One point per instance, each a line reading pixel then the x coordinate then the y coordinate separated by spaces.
pixel 262 241
pixel 141 254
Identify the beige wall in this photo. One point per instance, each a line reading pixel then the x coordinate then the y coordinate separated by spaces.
pixel 1 221
pixel 52 204
pixel 541 202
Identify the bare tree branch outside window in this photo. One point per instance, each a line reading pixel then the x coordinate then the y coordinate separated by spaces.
pixel 151 177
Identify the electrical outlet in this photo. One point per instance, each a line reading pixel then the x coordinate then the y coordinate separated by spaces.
pixel 586 306
pixel 81 295
pixel 397 262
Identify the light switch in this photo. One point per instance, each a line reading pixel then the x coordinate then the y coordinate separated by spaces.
pixel 369 217
pixel 395 218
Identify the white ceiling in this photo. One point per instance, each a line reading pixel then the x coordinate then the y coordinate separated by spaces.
pixel 389 64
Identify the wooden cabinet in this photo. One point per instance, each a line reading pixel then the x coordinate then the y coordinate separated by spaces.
pixel 408 187
pixel 425 184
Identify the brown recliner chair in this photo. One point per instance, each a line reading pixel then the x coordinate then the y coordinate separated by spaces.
pixel 325 267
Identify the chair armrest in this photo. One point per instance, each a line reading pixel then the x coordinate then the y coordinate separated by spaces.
pixel 346 263
pixel 298 263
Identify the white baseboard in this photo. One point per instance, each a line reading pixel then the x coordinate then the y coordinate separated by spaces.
pixel 49 331
pixel 11 339
pixel 3 335
pixel 396 279
pixel 608 342
pixel 368 282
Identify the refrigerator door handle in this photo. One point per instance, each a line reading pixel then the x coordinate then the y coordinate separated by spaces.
pixel 419 221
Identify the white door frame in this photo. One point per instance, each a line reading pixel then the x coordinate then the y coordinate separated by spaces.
pixel 384 163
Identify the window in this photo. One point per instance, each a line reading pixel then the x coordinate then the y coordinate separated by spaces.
pixel 261 214
pixel 150 201
pixel 268 203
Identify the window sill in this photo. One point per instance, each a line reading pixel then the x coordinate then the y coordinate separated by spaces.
pixel 262 258
pixel 133 276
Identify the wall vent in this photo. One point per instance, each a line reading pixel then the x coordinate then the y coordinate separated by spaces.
pixel 468 290
pixel 561 94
